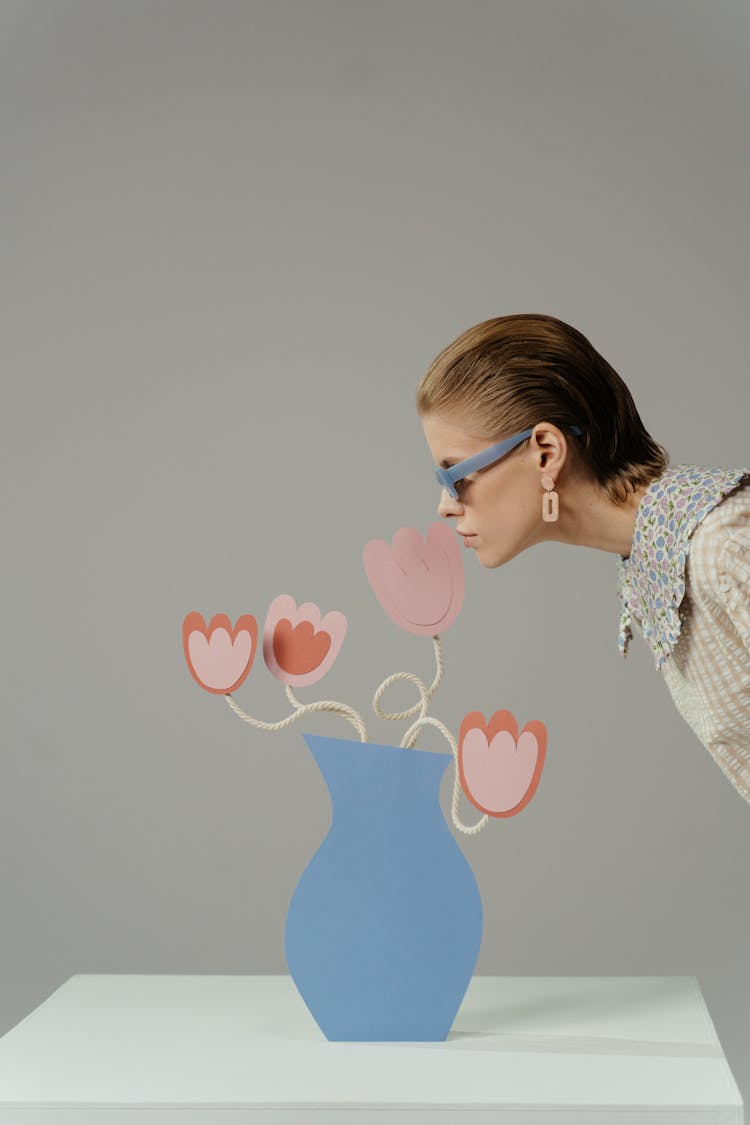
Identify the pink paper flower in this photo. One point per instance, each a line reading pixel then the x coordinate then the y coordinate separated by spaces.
pixel 419 585
pixel 498 769
pixel 219 657
pixel 298 645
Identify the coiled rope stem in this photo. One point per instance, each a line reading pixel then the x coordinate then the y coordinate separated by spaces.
pixel 408 741
pixel 426 694
pixel 301 709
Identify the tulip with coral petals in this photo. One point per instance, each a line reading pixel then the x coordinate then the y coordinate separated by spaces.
pixel 299 646
pixel 500 769
pixel 419 584
pixel 219 657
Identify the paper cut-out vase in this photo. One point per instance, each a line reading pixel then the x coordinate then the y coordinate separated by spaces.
pixel 384 927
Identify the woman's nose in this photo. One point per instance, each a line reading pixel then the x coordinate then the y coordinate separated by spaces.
pixel 448 506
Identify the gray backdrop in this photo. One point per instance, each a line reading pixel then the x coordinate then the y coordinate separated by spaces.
pixel 233 237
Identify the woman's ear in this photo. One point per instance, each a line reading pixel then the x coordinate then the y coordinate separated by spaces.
pixel 550 447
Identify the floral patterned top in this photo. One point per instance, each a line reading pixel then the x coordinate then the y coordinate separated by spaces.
pixel 651 579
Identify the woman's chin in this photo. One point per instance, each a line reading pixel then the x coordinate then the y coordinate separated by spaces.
pixel 490 559
pixel 482 556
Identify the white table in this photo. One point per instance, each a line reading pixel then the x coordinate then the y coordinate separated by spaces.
pixel 209 1049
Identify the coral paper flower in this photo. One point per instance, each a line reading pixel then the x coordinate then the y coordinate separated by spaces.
pixel 299 646
pixel 219 657
pixel 419 584
pixel 500 769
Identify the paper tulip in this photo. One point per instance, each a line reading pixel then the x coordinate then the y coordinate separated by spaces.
pixel 299 646
pixel 419 584
pixel 499 769
pixel 219 657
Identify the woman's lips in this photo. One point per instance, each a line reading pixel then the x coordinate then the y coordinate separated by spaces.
pixel 468 539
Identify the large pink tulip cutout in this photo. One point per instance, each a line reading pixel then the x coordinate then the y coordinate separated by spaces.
pixel 419 584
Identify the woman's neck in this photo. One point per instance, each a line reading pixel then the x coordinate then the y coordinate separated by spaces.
pixel 588 518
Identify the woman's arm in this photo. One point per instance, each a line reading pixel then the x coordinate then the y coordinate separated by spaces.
pixel 733 570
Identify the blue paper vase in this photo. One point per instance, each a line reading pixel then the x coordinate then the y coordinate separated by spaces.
pixel 384 927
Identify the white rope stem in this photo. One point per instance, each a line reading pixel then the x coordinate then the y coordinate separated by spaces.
pixel 408 741
pixel 349 713
pixel 301 709
pixel 425 693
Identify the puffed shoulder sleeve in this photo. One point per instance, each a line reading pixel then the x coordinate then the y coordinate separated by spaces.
pixel 733 570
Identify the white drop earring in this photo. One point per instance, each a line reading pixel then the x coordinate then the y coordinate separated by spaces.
pixel 550 500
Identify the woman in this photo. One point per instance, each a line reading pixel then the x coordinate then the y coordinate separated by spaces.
pixel 536 437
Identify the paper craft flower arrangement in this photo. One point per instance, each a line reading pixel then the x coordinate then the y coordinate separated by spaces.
pixel 420 585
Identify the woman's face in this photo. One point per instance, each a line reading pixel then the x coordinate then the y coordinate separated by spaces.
pixel 500 505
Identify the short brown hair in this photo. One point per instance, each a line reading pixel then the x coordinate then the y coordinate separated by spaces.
pixel 511 372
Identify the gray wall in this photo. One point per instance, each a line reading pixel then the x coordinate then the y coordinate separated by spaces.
pixel 234 235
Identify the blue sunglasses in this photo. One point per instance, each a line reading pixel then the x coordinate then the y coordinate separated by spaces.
pixel 447 478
